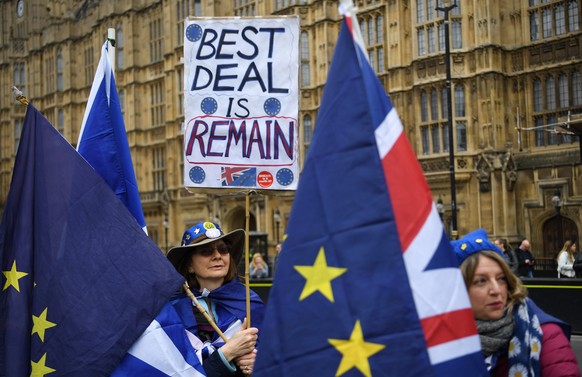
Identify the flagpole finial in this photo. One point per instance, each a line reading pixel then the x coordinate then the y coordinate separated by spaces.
pixel 347 8
pixel 19 96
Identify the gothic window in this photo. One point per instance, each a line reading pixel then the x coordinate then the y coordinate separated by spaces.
pixel 17 132
pixel 423 107
pixel 304 51
pixel 550 18
pixel 435 136
pixel 157 103
pixel 576 89
pixel 444 102
pixel 457 36
pixel 155 41
pixel 59 70
pixel 61 121
pixel 421 42
pixel 459 101
pixel 159 168
pixel 180 85
pixel 119 44
pixel 563 91
pixel 425 140
pixel 434 105
pixel 307 129
pixel 551 103
pixel 461 136
pixel 89 65
pixel 550 93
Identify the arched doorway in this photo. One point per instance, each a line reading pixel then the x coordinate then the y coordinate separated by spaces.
pixel 556 231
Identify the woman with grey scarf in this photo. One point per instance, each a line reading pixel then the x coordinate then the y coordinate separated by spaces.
pixel 517 337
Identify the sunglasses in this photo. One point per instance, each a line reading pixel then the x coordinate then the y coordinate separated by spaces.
pixel 208 250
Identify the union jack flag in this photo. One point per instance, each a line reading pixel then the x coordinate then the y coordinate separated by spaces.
pixel 367 283
pixel 238 176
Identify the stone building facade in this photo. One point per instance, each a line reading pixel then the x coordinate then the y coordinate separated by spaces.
pixel 515 66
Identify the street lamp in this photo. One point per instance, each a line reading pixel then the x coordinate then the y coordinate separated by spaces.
pixel 277 220
pixel 557 201
pixel 166 231
pixel 446 10
pixel 440 207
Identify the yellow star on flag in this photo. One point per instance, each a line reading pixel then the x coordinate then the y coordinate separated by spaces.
pixel 355 352
pixel 319 276
pixel 12 277
pixel 39 369
pixel 40 324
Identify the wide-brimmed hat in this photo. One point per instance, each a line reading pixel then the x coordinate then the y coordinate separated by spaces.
pixel 204 233
pixel 472 243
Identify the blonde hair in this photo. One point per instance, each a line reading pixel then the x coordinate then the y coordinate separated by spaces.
pixel 567 248
pixel 516 291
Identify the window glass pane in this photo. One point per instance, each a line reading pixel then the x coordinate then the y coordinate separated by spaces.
pixel 445 133
pixel 436 143
pixel 576 89
pixel 425 140
pixel 445 103
pixel 307 129
pixel 573 16
pixel 434 105
pixel 419 11
pixel 457 35
pixel 540 134
pixel 430 8
pixel 563 90
pixel 459 101
pixel 421 42
pixel 379 29
pixel 550 94
pixel 533 26
pixel 431 39
pixel 553 137
pixel 537 96
pixel 461 136
pixel 423 107
pixel 560 19
pixel 546 22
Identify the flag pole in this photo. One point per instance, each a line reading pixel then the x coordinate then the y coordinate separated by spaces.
pixel 247 273
pixel 111 49
pixel 204 312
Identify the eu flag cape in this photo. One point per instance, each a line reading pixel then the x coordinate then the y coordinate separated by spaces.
pixel 367 284
pixel 103 140
pixel 80 279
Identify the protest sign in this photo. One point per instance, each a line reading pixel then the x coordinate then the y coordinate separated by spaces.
pixel 241 103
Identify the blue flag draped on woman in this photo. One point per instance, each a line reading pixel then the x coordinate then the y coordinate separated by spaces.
pixel 367 283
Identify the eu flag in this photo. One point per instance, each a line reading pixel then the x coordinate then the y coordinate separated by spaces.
pixel 80 279
pixel 103 141
pixel 367 284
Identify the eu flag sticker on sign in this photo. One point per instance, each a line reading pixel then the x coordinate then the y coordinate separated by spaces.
pixel 241 103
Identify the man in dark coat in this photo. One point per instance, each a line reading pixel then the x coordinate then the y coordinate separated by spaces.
pixel 526 260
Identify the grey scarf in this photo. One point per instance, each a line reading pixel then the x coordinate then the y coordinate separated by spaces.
pixel 495 334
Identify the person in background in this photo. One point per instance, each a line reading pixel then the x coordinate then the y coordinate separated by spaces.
pixel 208 259
pixel 510 256
pixel 526 260
pixel 258 268
pixel 566 258
pixel 578 265
pixel 517 337
pixel 277 254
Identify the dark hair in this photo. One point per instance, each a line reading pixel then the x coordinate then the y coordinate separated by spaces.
pixel 184 266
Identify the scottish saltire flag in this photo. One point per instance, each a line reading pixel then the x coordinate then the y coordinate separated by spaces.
pixel 80 279
pixel 367 284
pixel 238 176
pixel 103 141
pixel 166 348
